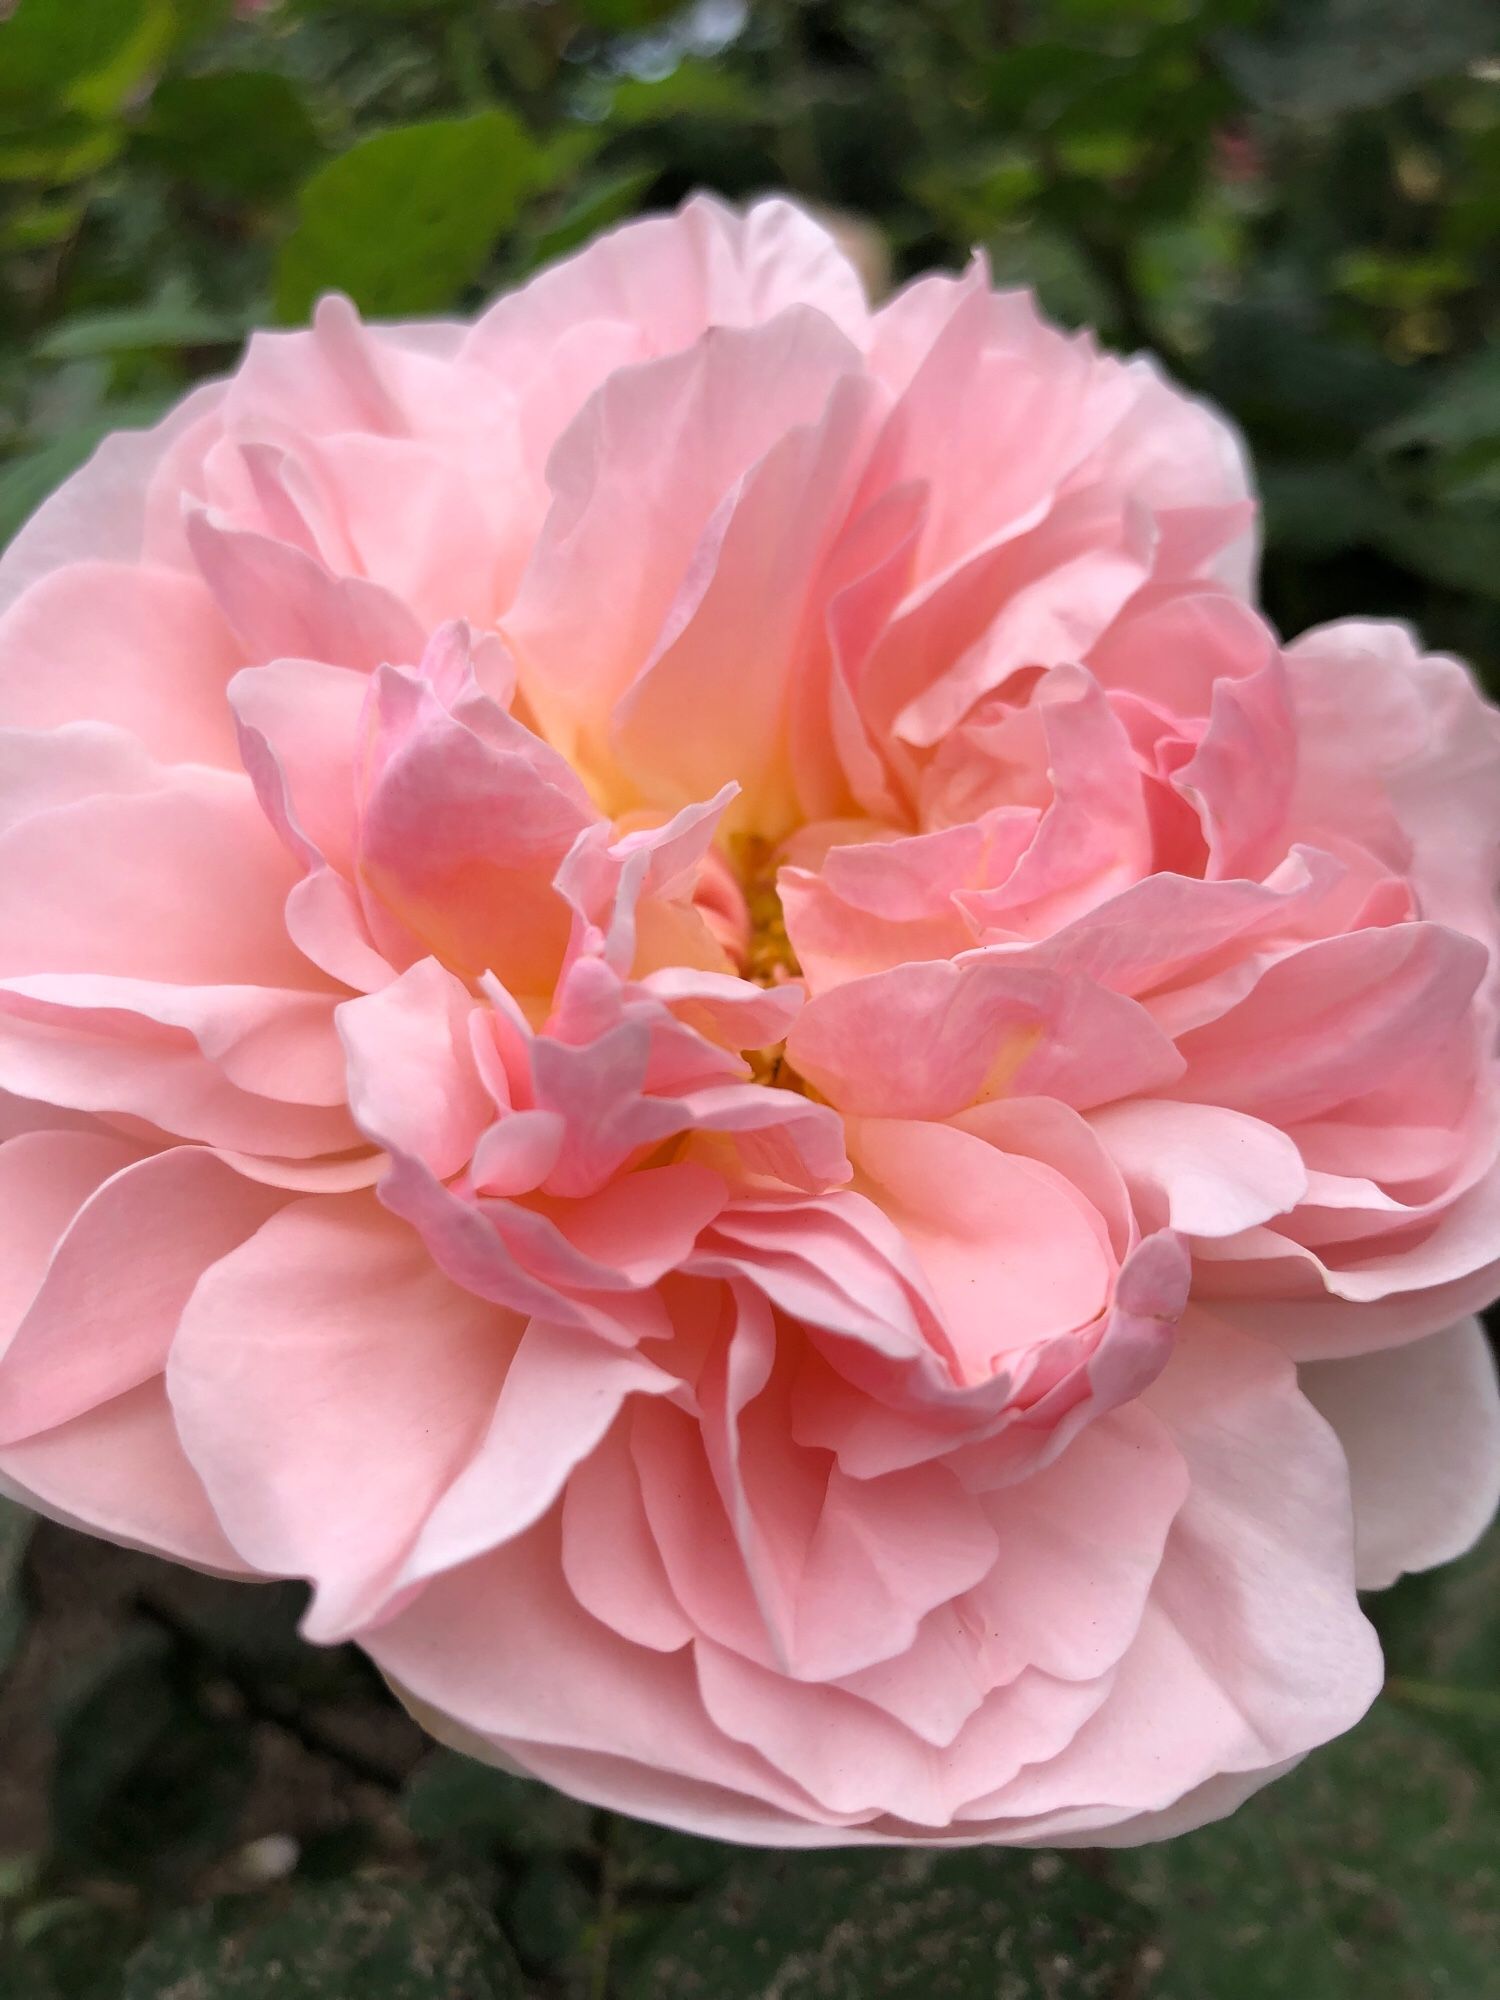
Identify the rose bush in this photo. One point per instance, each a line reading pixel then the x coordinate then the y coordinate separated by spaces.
pixel 691 1007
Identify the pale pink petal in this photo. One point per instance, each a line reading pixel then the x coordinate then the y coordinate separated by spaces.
pixel 119 1470
pixel 1013 1253
pixel 283 604
pixel 636 480
pixel 331 1323
pixel 562 1392
pixel 1199 1168
pixel 103 1318
pixel 412 1080
pixel 140 886
pixel 45 1178
pixel 145 649
pixel 1420 1425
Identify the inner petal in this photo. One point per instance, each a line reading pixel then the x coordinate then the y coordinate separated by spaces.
pixel 1015 1255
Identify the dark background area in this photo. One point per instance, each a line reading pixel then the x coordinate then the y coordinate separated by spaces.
pixel 1298 207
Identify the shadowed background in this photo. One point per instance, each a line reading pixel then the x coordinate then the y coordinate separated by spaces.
pixel 1298 207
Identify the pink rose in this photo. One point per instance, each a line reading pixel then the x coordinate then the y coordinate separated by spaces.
pixel 692 1007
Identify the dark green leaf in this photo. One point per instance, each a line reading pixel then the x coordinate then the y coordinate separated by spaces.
pixel 1317 508
pixel 450 1797
pixel 54 150
pixel 1264 359
pixel 16 1525
pixel 144 1778
pixel 355 1940
pixel 406 219
pixel 64 1949
pixel 597 205
pixel 1453 546
pixel 618 17
pixel 1465 406
pixel 549 1913
pixel 1342 55
pixel 917 1926
pixel 1441 1634
pixel 233 132
pixel 1373 1873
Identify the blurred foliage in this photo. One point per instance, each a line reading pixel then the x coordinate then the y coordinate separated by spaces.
pixel 231 1815
pixel 1296 203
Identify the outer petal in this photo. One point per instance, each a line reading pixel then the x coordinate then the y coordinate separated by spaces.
pixel 102 1319
pixel 1421 1428
pixel 119 1470
pixel 143 648
pixel 329 1383
pixel 1253 1649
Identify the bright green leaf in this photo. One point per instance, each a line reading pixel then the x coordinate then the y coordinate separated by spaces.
pixel 48 47
pixel 103 88
pixel 406 219
pixel 692 90
pixel 63 148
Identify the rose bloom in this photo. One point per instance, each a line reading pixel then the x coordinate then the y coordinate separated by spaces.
pixel 692 1008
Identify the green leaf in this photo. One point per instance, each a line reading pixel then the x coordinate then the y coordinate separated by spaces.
pixel 172 320
pixel 596 205
pixel 919 1926
pixel 378 1940
pixel 1465 406
pixel 64 1949
pixel 104 87
pixel 1453 546
pixel 450 1797
pixel 692 90
pixel 549 1914
pixel 1335 56
pixel 406 219
pixel 145 1780
pixel 16 1524
pixel 618 17
pixel 1280 363
pixel 244 133
pixel 1372 1873
pixel 61 148
pixel 49 47
pixel 1318 507
pixel 1441 1634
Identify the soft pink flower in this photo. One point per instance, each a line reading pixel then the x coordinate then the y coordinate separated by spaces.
pixel 691 1007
